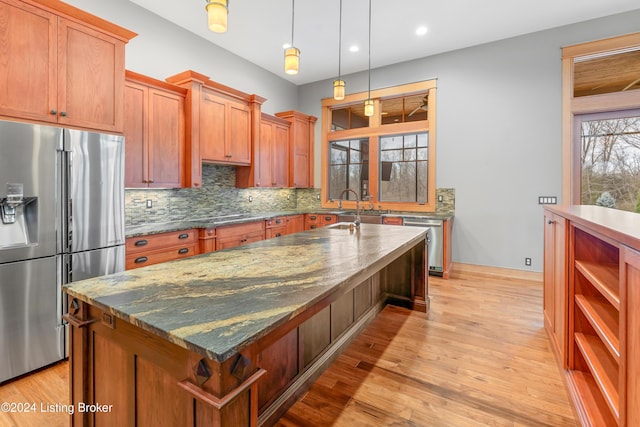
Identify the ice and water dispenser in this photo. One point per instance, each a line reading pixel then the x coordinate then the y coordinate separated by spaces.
pixel 19 215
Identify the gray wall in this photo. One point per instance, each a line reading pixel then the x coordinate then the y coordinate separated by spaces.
pixel 162 49
pixel 499 134
pixel 499 117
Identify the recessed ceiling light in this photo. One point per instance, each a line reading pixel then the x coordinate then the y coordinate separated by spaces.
pixel 421 30
pixel 354 48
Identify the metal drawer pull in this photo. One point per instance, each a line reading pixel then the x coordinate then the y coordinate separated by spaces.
pixel 328 218
pixel 278 221
pixel 278 234
pixel 141 259
pixel 141 242
pixel 183 236
pixel 312 217
pixel 183 251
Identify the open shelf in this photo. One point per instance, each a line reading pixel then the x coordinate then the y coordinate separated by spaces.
pixel 604 277
pixel 603 369
pixel 605 321
pixel 589 399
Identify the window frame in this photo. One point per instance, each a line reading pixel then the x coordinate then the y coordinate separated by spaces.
pixel 373 132
pixel 578 106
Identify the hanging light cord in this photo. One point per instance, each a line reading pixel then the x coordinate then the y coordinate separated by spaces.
pixel 369 49
pixel 340 43
pixel 293 14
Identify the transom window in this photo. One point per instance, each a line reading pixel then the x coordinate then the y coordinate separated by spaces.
pixel 388 159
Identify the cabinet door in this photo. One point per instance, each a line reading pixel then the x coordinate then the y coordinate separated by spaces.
pixel 212 126
pixel 300 152
pixel 166 139
pixel 280 156
pixel 238 138
pixel 27 62
pixel 630 281
pixel 90 78
pixel 295 224
pixel 135 111
pixel 555 282
pixel 263 156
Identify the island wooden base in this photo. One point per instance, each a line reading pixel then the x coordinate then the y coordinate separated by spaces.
pixel 124 375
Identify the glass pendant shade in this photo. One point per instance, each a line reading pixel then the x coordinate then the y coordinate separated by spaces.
pixel 368 107
pixel 292 60
pixel 217 12
pixel 338 90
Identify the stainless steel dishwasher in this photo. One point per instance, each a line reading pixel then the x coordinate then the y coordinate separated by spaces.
pixel 434 248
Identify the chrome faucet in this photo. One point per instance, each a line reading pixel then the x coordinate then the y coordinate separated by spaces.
pixel 346 190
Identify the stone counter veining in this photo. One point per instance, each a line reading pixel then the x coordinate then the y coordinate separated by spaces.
pixel 216 304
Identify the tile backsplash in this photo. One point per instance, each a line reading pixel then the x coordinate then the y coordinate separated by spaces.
pixel 219 196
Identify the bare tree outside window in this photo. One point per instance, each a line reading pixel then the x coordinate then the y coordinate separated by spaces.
pixel 404 168
pixel 610 162
pixel 349 168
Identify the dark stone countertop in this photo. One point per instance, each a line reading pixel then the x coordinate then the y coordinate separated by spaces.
pixel 229 219
pixel 215 304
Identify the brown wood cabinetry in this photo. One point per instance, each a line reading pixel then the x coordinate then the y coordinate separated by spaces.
pixel 312 221
pixel 603 294
pixel 301 143
pixel 162 247
pixel 555 283
pixel 230 236
pixel 392 220
pixel 275 227
pixel 154 132
pixel 61 65
pixel 270 156
pixel 295 223
pixel 220 123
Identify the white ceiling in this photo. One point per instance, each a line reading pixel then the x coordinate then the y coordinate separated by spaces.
pixel 259 28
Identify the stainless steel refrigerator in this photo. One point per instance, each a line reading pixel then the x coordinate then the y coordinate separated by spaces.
pixel 61 220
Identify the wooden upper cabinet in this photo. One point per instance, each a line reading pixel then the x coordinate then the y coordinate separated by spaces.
pixel 220 123
pixel 301 143
pixel 154 133
pixel 61 65
pixel 270 158
pixel 225 129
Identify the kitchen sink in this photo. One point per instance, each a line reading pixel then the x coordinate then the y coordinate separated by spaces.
pixel 341 225
pixel 365 219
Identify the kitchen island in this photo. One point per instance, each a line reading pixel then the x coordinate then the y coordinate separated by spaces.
pixel 233 337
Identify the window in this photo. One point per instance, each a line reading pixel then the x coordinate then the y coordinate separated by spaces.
pixel 404 168
pixel 387 159
pixel 601 113
pixel 609 147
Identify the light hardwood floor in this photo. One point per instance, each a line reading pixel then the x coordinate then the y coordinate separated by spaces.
pixel 480 358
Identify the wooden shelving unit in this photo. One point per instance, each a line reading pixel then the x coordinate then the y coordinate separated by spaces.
pixel 594 325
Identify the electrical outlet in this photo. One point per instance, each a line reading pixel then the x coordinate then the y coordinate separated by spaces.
pixel 440 198
pixel 250 198
pixel 318 197
pixel 527 261
pixel 149 203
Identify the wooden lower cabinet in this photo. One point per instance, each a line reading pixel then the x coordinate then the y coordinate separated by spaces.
pixel 295 223
pixel 602 288
pixel 313 221
pixel 230 236
pixel 162 247
pixel 555 283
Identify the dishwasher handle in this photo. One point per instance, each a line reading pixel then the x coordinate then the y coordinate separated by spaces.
pixel 422 223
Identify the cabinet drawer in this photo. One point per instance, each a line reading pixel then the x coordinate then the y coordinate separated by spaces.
pixel 153 242
pixel 239 229
pixel 275 222
pixel 392 220
pixel 162 255
pixel 276 231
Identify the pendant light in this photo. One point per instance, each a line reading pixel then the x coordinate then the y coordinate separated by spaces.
pixel 292 53
pixel 217 11
pixel 338 84
pixel 368 103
